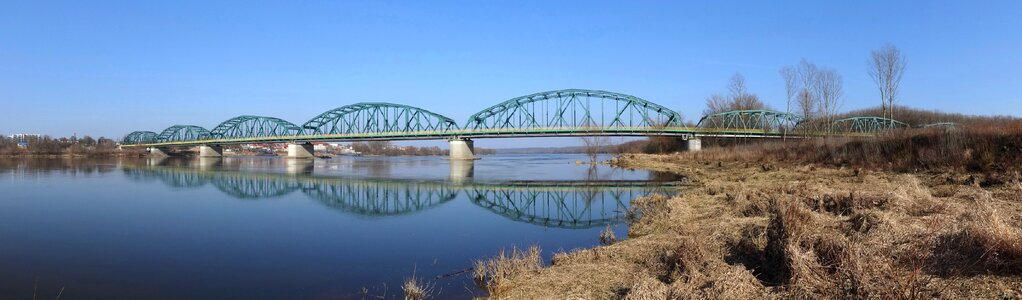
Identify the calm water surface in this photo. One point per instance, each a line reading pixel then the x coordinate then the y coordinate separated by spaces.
pixel 273 228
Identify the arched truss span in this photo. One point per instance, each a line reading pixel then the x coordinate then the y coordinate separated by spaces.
pixel 769 121
pixel 254 126
pixel 866 125
pixel 587 110
pixel 182 133
pixel 378 117
pixel 139 137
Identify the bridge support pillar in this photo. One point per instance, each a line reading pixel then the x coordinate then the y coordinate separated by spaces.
pixel 158 152
pixel 211 151
pixel 693 144
pixel 301 151
pixel 461 149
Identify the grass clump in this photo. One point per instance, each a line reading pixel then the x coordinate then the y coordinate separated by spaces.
pixel 415 289
pixel 985 243
pixel 497 274
pixel 607 236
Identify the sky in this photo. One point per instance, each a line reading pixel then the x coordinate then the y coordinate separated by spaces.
pixel 106 68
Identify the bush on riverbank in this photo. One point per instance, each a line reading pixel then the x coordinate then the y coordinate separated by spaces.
pixel 974 149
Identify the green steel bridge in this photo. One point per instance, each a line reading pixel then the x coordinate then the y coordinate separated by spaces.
pixel 571 112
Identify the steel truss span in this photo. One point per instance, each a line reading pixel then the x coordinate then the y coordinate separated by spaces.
pixel 182 133
pixel 868 125
pixel 576 110
pixel 768 121
pixel 139 137
pixel 378 117
pixel 254 126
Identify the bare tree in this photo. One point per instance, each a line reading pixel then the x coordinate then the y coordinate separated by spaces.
pixel 807 97
pixel 790 77
pixel 593 145
pixel 830 90
pixel 716 103
pixel 886 67
pixel 738 98
pixel 736 86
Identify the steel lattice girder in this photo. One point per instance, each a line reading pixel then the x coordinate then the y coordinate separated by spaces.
pixel 866 125
pixel 759 119
pixel 182 133
pixel 254 126
pixel 574 108
pixel 139 137
pixel 375 117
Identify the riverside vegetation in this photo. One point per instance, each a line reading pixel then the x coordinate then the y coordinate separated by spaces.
pixel 48 146
pixel 908 215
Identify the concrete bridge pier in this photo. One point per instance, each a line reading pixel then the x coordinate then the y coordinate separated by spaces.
pixel 693 144
pixel 461 149
pixel 301 151
pixel 158 152
pixel 211 151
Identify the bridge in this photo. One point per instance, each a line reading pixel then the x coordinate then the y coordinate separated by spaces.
pixel 571 112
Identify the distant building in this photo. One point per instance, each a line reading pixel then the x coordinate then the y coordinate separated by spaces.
pixel 23 136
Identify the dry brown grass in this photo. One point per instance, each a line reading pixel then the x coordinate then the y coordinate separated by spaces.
pixel 497 274
pixel 415 289
pixel 974 149
pixel 985 243
pixel 799 231
pixel 607 236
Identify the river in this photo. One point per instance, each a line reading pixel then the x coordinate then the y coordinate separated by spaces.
pixel 274 228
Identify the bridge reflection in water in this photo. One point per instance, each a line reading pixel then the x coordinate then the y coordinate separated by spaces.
pixel 561 204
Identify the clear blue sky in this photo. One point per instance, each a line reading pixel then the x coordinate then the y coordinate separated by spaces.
pixel 108 68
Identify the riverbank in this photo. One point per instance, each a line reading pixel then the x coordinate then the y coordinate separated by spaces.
pixel 75 155
pixel 751 229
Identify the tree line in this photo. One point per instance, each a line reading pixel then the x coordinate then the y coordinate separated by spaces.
pixel 386 148
pixel 46 145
